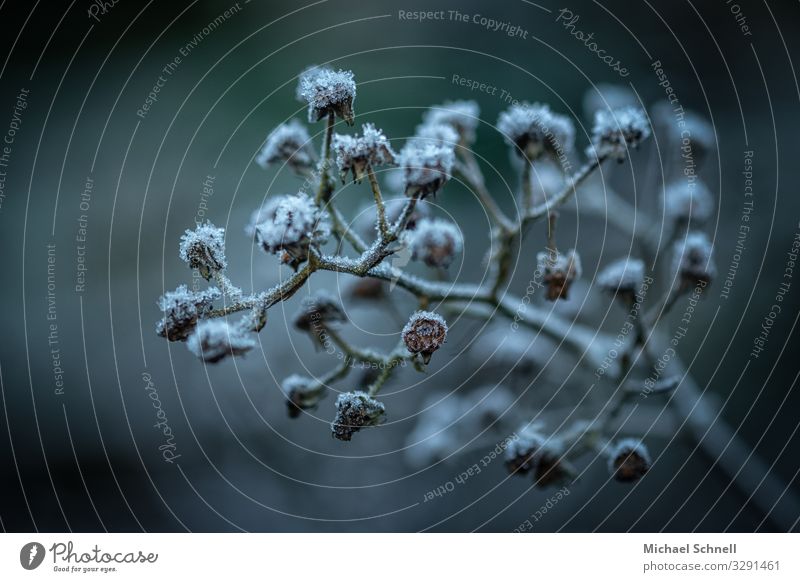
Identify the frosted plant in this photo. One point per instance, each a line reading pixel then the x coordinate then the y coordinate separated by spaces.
pixel 360 154
pixel 309 233
pixel 289 143
pixel 435 241
pixel 534 130
pixel 462 116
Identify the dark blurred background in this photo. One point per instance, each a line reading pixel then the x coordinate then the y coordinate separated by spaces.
pixel 86 456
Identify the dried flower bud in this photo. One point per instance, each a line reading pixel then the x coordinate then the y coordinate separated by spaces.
pixel 693 261
pixel 354 411
pixel 628 460
pixel 289 143
pixel 435 242
pixel 462 116
pixel 426 167
pixel 302 393
pixel 685 203
pixel 204 249
pixel 328 92
pixel 316 312
pixel 521 453
pixel 623 278
pixel 615 132
pixel 292 224
pixel 356 153
pixel 558 272
pixel 424 333
pixel 533 130
pixel 214 339
pixel 182 309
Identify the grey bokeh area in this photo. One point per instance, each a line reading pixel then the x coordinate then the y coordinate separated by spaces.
pixel 98 189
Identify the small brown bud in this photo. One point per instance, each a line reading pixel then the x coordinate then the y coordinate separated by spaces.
pixel 628 460
pixel 424 333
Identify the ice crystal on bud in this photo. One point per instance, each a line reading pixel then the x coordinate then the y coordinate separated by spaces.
pixel 302 393
pixel 356 153
pixel 628 460
pixel 558 272
pixel 291 225
pixel 289 143
pixel 354 411
pixel 684 202
pixel 622 278
pixel 435 242
pixel 693 261
pixel 533 130
pixel 328 92
pixel 424 333
pixel 462 116
pixel 521 453
pixel 182 309
pixel 214 339
pixel 617 131
pixel 204 249
pixel 426 167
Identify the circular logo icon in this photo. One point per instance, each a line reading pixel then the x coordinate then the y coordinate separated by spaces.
pixel 31 555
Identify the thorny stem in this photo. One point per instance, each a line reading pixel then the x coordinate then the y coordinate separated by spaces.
pixel 376 191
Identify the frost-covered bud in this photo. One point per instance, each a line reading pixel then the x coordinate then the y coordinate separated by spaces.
pixel 623 278
pixel 607 96
pixel 552 468
pixel 426 167
pixel 424 333
pixel 328 92
pixel 291 225
pixel 438 133
pixel 214 339
pixel 302 393
pixel 355 153
pixel 685 203
pixel 182 309
pixel 354 411
pixel 628 460
pixel 533 130
pixel 558 272
pixel 316 312
pixel 204 249
pixel 460 115
pixel 693 261
pixel 289 143
pixel 615 132
pixel 521 453
pixel 436 242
